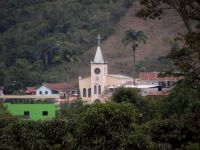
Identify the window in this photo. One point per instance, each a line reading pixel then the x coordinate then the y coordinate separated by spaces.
pixel 26 113
pixel 89 92
pixel 162 83
pixel 95 89
pixel 99 89
pixel 160 88
pixel 45 113
pixel 40 92
pixel 55 92
pixel 46 92
pixel 84 92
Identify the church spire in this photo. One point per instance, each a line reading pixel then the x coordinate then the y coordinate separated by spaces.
pixel 99 56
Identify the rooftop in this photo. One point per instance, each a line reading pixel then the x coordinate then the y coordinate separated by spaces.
pixel 57 86
pixel 155 76
pixel 119 76
pixel 99 59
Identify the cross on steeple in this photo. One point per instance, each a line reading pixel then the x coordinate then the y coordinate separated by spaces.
pixel 99 39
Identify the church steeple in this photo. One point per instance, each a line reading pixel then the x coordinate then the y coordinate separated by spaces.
pixel 99 56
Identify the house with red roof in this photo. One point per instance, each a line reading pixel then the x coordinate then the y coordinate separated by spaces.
pixel 53 88
pixel 161 85
pixel 154 78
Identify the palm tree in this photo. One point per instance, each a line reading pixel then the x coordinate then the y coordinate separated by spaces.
pixel 134 38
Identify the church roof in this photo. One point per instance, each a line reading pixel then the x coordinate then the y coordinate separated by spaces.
pixel 99 57
pixel 119 76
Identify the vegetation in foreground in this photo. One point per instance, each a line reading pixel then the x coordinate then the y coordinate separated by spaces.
pixel 113 125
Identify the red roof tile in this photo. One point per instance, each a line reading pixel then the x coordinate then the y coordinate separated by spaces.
pixel 148 75
pixel 57 86
pixel 155 76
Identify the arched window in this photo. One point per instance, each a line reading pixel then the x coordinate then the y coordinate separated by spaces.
pixel 99 89
pixel 95 89
pixel 84 92
pixel 46 92
pixel 89 92
pixel 40 92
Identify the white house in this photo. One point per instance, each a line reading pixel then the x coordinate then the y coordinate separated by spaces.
pixel 52 88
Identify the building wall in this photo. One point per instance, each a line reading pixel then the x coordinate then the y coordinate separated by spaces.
pixel 84 83
pixel 116 81
pixel 98 80
pixel 35 110
pixel 149 82
pixel 43 89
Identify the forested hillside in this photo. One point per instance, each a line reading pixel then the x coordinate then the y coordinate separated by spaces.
pixel 38 34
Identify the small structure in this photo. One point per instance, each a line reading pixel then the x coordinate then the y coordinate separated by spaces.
pixel 32 111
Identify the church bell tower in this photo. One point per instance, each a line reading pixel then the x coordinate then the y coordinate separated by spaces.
pixel 99 73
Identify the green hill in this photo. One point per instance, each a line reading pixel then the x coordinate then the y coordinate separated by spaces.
pixel 149 57
pixel 38 35
pixel 54 40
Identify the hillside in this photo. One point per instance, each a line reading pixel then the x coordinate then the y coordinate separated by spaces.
pixel 159 33
pixel 37 36
pixel 41 40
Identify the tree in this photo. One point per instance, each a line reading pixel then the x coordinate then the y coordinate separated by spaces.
pixel 133 38
pixel 185 54
pixel 180 100
pixel 106 126
pixel 5 116
pixel 133 96
pixel 128 95
pixel 187 9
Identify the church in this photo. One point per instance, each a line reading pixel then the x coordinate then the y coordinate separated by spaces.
pixel 100 84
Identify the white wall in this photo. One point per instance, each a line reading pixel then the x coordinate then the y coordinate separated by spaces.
pixel 149 82
pixel 43 89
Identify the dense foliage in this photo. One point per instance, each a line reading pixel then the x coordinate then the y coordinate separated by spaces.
pixel 38 34
pixel 5 116
pixel 99 126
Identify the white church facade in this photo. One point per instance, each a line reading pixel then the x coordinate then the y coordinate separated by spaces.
pixel 99 84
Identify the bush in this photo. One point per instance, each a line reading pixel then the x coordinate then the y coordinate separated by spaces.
pixel 133 95
pixel 191 146
pixel 129 95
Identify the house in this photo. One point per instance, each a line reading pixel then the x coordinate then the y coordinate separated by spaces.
pixel 53 88
pixel 154 78
pixel 97 85
pixel 160 85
